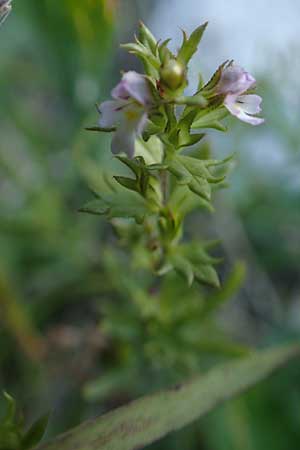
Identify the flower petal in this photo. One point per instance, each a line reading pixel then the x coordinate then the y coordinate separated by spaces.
pixel 131 126
pixel 133 85
pixel 237 110
pixel 235 80
pixel 250 103
pixel 110 112
pixel 124 141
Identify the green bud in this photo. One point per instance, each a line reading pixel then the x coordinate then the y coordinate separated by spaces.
pixel 172 74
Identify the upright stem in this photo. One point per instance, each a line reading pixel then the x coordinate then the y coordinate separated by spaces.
pixel 164 180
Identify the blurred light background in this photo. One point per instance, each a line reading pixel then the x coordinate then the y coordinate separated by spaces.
pixel 57 59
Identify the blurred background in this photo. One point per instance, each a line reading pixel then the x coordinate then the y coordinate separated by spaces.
pixel 73 307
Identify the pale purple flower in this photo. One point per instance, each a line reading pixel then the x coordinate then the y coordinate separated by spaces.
pixel 234 83
pixel 128 111
pixel 5 8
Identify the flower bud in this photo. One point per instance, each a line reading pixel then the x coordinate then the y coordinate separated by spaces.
pixel 172 74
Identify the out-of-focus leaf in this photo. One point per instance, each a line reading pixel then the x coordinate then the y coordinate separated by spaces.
pixel 151 418
pixel 35 433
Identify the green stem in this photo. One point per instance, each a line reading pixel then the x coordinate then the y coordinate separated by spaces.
pixel 164 180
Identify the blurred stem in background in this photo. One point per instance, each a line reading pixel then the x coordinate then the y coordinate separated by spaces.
pixel 17 322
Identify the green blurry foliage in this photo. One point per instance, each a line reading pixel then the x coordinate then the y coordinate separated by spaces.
pixel 12 434
pixel 52 258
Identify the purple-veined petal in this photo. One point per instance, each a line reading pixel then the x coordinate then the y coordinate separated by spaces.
pixel 250 103
pixel 235 80
pixel 237 109
pixel 133 85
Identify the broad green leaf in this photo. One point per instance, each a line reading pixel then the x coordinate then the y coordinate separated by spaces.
pixel 190 45
pixel 153 417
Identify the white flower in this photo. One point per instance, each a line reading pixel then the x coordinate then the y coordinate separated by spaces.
pixel 128 111
pixel 244 107
pixel 234 83
pixel 5 8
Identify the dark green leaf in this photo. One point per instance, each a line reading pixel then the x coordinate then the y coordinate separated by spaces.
pixel 129 183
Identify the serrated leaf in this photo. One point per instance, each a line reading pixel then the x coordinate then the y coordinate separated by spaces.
pixel 190 45
pixel 150 418
pixel 35 434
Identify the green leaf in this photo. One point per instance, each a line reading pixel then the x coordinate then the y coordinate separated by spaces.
pixel 129 183
pixel 147 38
pixel 36 432
pixel 212 83
pixel 195 174
pixel 11 409
pixel 10 426
pixel 101 129
pixel 193 262
pixel 150 418
pixel 96 206
pixel 144 53
pixel 129 205
pixel 211 119
pixel 190 45
pixel 183 267
pixel 164 52
pixel 206 273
